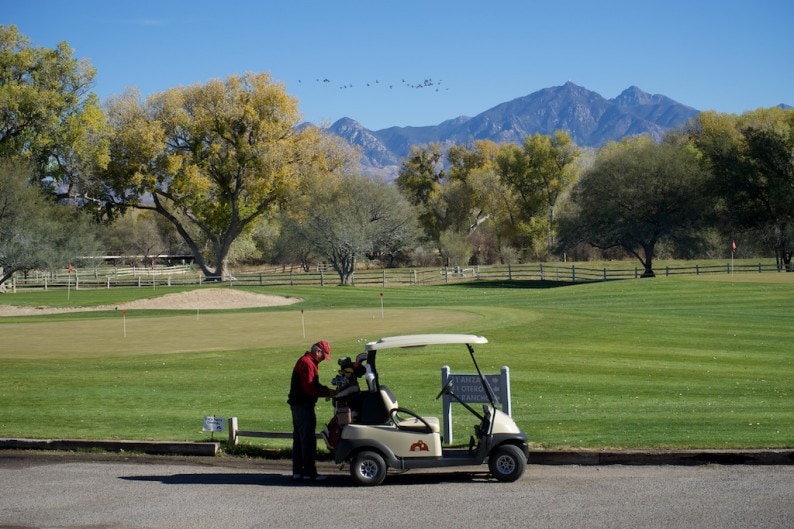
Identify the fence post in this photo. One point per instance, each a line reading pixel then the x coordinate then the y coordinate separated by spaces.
pixel 233 431
pixel 605 273
pixel 697 270
pixel 108 278
pixel 636 273
pixel 260 279
pixel 573 273
pixel 667 271
pixel 290 277
pixel 541 271
pixel 384 277
pixel 759 268
pixel 45 283
pixel 509 272
pixel 322 278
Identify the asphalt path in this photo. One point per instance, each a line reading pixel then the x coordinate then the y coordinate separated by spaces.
pixel 99 491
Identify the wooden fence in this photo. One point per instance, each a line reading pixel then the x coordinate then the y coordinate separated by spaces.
pixel 279 276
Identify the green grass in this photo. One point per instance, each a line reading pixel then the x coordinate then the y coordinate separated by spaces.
pixel 700 362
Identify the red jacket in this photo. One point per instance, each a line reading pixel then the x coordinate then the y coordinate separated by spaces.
pixel 305 387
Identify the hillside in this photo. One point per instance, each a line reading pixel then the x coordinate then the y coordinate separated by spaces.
pixel 589 118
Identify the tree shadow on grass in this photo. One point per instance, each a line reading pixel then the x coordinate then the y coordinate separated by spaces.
pixel 505 283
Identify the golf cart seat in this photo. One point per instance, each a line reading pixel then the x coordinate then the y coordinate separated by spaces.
pixel 389 400
pixel 413 422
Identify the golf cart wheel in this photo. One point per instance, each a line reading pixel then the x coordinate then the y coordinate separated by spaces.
pixel 368 468
pixel 507 463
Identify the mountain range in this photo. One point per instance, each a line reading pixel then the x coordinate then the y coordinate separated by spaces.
pixel 588 117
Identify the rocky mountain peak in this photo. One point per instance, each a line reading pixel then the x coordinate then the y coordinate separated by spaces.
pixel 588 117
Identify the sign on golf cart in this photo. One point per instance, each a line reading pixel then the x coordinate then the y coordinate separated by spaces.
pixel 469 389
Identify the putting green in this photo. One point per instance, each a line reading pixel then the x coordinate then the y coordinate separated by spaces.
pixel 122 335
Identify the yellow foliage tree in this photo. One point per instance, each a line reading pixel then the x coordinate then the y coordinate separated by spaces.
pixel 213 158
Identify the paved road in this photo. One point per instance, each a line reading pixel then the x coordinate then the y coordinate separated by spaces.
pixel 57 491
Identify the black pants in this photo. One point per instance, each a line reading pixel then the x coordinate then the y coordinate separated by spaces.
pixel 304 441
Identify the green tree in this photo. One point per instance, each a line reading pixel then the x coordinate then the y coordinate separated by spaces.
pixel 214 158
pixel 48 116
pixel 140 235
pixel 637 194
pixel 482 204
pixel 469 203
pixel 496 239
pixel 420 180
pixel 751 159
pixel 540 171
pixel 36 234
pixel 353 217
pixel 466 202
pixel 455 248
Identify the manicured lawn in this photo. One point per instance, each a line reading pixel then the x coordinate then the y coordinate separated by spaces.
pixel 671 362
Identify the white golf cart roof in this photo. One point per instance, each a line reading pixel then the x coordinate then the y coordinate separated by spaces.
pixel 421 340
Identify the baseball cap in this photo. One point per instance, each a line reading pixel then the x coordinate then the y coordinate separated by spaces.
pixel 325 347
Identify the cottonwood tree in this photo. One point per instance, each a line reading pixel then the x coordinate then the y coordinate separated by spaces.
pixel 35 233
pixel 420 179
pixel 540 171
pixel 48 115
pixel 140 235
pixel 751 160
pixel 461 202
pixel 347 219
pixel 637 194
pixel 213 159
pixel 480 203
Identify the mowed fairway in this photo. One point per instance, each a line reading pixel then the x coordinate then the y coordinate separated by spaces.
pixel 689 362
pixel 136 334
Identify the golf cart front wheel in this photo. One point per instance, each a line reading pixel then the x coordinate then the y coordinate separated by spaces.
pixel 368 468
pixel 507 463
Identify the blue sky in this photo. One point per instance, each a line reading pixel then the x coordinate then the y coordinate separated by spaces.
pixel 727 55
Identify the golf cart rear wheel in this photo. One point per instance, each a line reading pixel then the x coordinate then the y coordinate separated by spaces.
pixel 368 468
pixel 507 463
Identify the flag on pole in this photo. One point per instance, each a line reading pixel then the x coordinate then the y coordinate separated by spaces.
pixel 733 246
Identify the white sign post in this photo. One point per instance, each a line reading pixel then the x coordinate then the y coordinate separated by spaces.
pixel 469 388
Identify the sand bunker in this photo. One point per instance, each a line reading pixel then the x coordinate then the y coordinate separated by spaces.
pixel 204 299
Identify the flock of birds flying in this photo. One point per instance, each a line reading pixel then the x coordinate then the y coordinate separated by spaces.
pixel 425 83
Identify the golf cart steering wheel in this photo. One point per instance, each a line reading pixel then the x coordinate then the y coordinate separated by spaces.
pixel 446 389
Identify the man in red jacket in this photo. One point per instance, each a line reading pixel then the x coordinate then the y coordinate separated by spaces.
pixel 305 389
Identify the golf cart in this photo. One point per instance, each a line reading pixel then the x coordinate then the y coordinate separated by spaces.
pixel 372 433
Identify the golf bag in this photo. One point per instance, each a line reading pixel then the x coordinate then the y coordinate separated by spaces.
pixel 347 401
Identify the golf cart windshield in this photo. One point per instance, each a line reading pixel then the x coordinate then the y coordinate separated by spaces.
pixel 421 340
